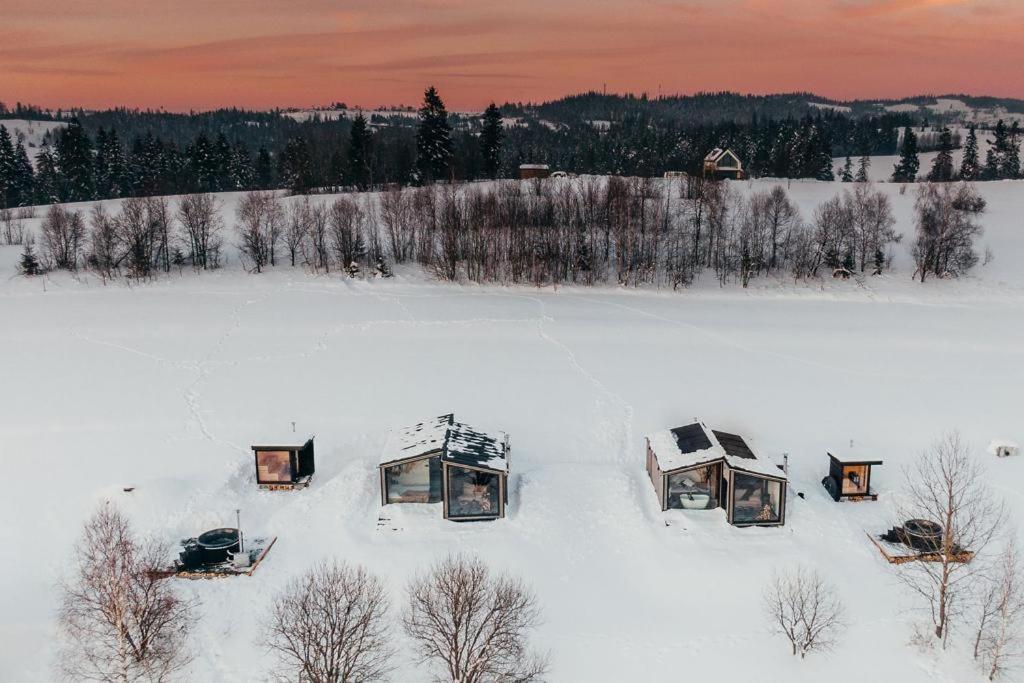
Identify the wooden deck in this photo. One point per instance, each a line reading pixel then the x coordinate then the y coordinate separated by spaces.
pixel 900 554
pixel 302 483
pixel 223 570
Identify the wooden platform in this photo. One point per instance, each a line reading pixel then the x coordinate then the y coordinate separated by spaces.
pixel 901 554
pixel 302 483
pixel 259 547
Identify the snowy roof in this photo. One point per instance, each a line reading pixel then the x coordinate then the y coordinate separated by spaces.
pixel 996 445
pixel 718 154
pixel 695 444
pixel 283 440
pixel 534 167
pixel 854 455
pixel 458 443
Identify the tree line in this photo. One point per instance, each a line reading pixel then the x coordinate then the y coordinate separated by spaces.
pixel 1002 158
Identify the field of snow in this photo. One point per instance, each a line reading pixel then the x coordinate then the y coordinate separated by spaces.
pixel 164 386
pixel 32 132
pixel 882 166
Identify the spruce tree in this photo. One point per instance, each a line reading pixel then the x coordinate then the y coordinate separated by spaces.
pixel 847 176
pixel 29 264
pixel 296 166
pixel 942 167
pixel 264 169
pixel 491 136
pixel 1001 147
pixel 24 176
pixel 47 178
pixel 907 167
pixel 433 139
pixel 862 169
pixel 6 168
pixel 990 171
pixel 75 164
pixel 969 169
pixel 359 153
pixel 1011 159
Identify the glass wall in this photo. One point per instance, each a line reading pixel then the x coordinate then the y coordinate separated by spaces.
pixel 695 489
pixel 273 467
pixel 418 481
pixel 755 500
pixel 472 493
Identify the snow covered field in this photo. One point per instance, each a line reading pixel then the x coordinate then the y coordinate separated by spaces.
pixel 164 386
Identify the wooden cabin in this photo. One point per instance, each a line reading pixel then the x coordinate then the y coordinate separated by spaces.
pixel 528 171
pixel 284 463
pixel 849 478
pixel 722 163
pixel 444 461
pixel 697 468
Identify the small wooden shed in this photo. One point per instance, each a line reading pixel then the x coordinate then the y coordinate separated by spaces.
pixel 444 461
pixel 527 171
pixel 284 463
pixel 849 478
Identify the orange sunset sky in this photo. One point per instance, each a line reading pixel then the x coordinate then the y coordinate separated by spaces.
pixel 200 54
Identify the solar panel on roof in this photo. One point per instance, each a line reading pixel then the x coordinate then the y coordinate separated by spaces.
pixel 734 445
pixel 691 438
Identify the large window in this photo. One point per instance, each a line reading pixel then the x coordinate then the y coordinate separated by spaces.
pixel 755 500
pixel 695 489
pixel 273 467
pixel 472 493
pixel 418 481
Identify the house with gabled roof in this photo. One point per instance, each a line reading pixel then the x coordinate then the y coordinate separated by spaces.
pixel 697 468
pixel 448 462
pixel 722 163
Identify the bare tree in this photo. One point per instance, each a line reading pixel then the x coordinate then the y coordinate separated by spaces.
pixel 119 621
pixel 12 228
pixel 473 625
pixel 253 233
pixel 329 626
pixel 201 224
pixel 63 237
pixel 806 609
pixel 105 249
pixel 297 227
pixel 136 233
pixel 946 228
pixel 998 644
pixel 319 236
pixel 945 486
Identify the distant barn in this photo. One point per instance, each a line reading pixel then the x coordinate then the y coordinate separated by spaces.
pixel 527 171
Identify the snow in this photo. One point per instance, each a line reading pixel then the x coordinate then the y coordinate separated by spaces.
pixel 418 439
pixel 164 386
pixel 831 107
pixel 882 166
pixel 32 132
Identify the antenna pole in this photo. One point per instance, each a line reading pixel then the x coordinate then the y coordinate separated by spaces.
pixel 238 525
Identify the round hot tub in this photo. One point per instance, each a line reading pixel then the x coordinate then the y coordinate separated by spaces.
pixel 218 544
pixel 922 534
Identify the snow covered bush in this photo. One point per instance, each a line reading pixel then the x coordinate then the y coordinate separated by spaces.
pixel 805 608
pixel 118 620
pixel 473 625
pixel 330 625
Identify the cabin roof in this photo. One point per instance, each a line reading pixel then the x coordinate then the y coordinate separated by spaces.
pixel 534 167
pixel 283 441
pixel 458 443
pixel 720 153
pixel 852 459
pixel 695 444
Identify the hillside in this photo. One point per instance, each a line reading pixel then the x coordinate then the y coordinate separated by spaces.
pixel 163 386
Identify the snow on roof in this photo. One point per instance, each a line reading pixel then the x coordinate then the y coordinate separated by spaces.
pixel 459 444
pixel 1005 445
pixel 534 167
pixel 285 439
pixel 854 454
pixel 714 154
pixel 695 444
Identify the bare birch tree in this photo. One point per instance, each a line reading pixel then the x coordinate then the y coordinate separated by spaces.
pixel 945 486
pixel 806 609
pixel 199 217
pixel 63 237
pixel 472 625
pixel 998 644
pixel 119 622
pixel 330 626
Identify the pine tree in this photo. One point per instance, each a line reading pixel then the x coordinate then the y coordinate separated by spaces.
pixel 969 169
pixel 907 167
pixel 296 167
pixel 359 153
pixel 1000 147
pixel 942 167
pixel 862 169
pixel 264 169
pixel 847 176
pixel 24 176
pixel 29 264
pixel 433 139
pixel 75 164
pixel 6 168
pixel 47 177
pixel 490 141
pixel 1011 159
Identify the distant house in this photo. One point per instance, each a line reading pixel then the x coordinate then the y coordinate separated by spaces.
pixel 444 461
pixel 697 468
pixel 722 163
pixel 284 462
pixel 527 171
